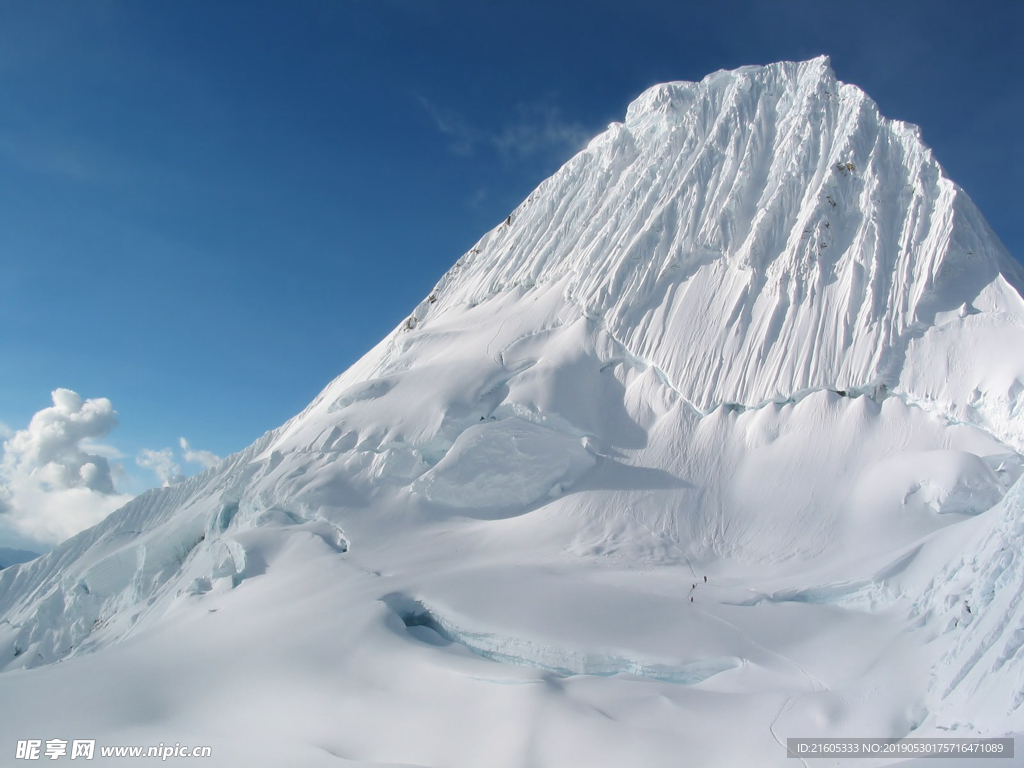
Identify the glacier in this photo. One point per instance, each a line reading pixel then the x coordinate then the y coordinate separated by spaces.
pixel 714 441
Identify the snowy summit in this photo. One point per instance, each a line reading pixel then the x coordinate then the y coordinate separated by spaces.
pixel 715 440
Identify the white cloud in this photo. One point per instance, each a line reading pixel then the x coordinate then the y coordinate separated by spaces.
pixel 464 137
pixel 162 464
pixel 51 448
pixel 196 456
pixel 57 477
pixel 536 129
pixel 540 128
pixel 167 468
pixel 102 449
pixel 54 479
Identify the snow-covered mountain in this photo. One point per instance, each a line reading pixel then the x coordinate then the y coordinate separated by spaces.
pixel 718 434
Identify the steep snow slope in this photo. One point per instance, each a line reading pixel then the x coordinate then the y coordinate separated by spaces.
pixel 752 333
pixel 764 232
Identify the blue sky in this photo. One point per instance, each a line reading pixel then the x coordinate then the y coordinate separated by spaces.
pixel 209 210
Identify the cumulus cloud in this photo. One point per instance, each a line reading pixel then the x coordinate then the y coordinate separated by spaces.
pixel 51 448
pixel 54 477
pixel 58 477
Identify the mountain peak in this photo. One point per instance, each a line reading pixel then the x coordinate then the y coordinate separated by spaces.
pixel 675 96
pixel 726 222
